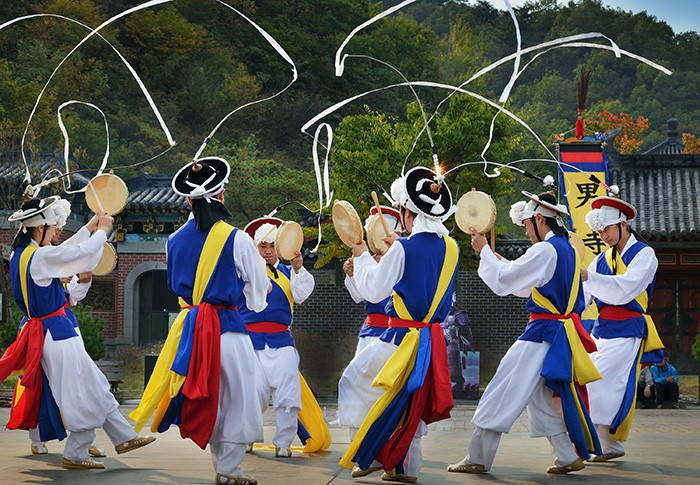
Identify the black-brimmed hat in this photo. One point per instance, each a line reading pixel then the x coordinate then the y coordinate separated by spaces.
pixel 203 178
pixel 36 212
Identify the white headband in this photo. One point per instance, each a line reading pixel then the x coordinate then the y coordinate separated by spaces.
pixel 521 211
pixel 599 219
pixel 263 230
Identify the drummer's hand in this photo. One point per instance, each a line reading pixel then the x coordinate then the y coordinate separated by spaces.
pixel 349 267
pixel 105 222
pixel 358 249
pixel 478 241
pixel 92 224
pixel 85 277
pixel 67 279
pixel 390 239
pixel 269 286
pixel 584 275
pixel 297 262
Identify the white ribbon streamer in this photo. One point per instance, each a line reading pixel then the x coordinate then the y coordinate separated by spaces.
pixel 66 144
pixel 323 184
pixel 85 39
pixel 516 65
pixel 271 40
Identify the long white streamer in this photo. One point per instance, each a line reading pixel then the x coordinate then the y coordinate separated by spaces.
pixel 325 186
pixel 66 143
pixel 516 65
pixel 85 39
pixel 340 63
pixel 271 40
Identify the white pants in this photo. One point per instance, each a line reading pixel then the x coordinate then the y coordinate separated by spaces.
pixel 238 419
pixel 118 431
pixel 518 385
pixel 277 378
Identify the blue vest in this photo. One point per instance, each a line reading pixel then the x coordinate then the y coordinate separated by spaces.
pixel 557 290
pixel 42 300
pixel 632 327
pixel 225 286
pixel 278 310
pixel 424 257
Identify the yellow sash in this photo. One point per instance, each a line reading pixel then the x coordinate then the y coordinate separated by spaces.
pixel 448 269
pixel 284 283
pixel 163 379
pixel 23 269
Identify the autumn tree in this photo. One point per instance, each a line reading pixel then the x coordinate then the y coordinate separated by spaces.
pixel 630 138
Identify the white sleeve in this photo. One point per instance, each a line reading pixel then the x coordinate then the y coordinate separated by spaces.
pixel 251 268
pixel 375 281
pixel 82 235
pixel 352 289
pixel 77 291
pixel 302 284
pixel 67 260
pixel 621 289
pixel 534 268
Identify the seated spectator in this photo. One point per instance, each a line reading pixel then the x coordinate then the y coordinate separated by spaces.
pixel 665 382
pixel 645 389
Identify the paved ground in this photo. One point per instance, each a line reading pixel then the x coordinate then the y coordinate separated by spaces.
pixel 664 448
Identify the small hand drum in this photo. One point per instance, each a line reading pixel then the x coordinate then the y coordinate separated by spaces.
pixel 108 261
pixel 347 223
pixel 106 193
pixel 476 210
pixel 289 239
pixel 578 245
pixel 375 233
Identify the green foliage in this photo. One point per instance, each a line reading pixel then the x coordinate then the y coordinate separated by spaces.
pixel 91 327
pixel 695 350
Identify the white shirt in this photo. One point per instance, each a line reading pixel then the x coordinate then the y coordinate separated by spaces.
pixel 622 288
pixel 352 289
pixel 66 260
pixel 534 268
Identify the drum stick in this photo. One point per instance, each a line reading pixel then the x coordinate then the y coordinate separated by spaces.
pixel 493 240
pixel 97 199
pixel 265 236
pixel 387 233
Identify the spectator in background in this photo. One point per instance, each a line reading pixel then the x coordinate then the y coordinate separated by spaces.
pixel 645 389
pixel 665 382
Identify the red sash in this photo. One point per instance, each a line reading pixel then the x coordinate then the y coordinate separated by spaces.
pixel 25 353
pixel 266 327
pixel 396 322
pixel 618 313
pixel 378 320
pixel 586 339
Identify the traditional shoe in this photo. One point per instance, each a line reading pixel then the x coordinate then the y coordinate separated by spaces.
pixel 222 479
pixel 397 477
pixel 131 445
pixel 96 451
pixel 467 468
pixel 85 465
pixel 39 449
pixel 607 456
pixel 282 452
pixel 571 467
pixel 249 448
pixel 358 472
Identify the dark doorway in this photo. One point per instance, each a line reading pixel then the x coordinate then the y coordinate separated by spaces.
pixel 156 303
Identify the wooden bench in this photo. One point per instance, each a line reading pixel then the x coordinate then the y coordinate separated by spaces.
pixel 114 372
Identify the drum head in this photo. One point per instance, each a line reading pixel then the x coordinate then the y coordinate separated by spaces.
pixel 477 210
pixel 108 261
pixel 375 233
pixel 108 191
pixel 347 223
pixel 289 239
pixel 578 245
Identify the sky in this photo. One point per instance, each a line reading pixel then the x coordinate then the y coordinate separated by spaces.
pixel 681 15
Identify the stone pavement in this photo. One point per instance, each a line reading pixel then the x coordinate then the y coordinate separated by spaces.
pixel 664 448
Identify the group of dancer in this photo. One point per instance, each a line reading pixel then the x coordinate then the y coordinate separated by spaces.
pixel 230 351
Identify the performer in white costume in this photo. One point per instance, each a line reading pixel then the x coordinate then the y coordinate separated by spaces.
pixel 620 280
pixel 548 274
pixel 77 287
pixel 78 387
pixel 407 275
pixel 277 360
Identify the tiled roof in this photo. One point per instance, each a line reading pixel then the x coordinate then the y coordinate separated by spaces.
pixel 153 192
pixel 665 190
pixel 12 169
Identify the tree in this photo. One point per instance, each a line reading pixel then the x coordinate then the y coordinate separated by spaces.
pixel 629 140
pixel 691 143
